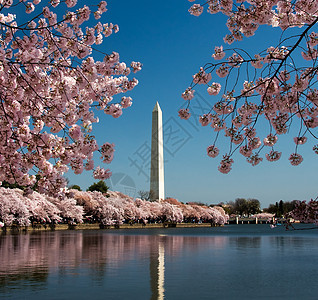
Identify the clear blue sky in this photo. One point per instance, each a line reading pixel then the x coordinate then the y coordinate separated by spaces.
pixel 172 45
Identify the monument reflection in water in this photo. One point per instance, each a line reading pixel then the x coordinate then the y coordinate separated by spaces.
pixel 160 264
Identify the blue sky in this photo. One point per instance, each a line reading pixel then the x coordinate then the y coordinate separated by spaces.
pixel 172 45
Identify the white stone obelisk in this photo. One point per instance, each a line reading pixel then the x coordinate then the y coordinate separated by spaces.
pixel 157 184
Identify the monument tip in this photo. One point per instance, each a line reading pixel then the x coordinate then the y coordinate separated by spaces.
pixel 157 107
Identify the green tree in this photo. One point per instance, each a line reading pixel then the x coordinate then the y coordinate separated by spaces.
pixel 289 206
pixel 281 208
pixel 240 206
pixel 272 209
pixel 75 187
pixel 253 206
pixel 229 207
pixel 99 186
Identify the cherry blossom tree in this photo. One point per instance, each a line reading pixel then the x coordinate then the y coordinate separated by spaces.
pixel 13 210
pixel 68 208
pixel 143 211
pixel 218 214
pixel 189 213
pixel 107 210
pixel 109 214
pixel 202 212
pixel 306 212
pixel 171 213
pixel 41 209
pixel 84 199
pixel 277 85
pixel 155 210
pixel 50 85
pixel 129 210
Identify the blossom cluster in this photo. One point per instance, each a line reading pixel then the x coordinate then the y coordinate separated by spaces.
pixel 49 87
pixel 267 85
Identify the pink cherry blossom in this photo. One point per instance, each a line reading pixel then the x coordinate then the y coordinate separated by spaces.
pixel 205 119
pixel 254 143
pixel 295 159
pixel 222 71
pixel 101 173
pixel 75 132
pixel 126 102
pixel 300 140
pixel 214 89
pixel 254 159
pixel 226 164
pixel 184 114
pixel 114 110
pixel 218 53
pixel 217 124
pixel 202 77
pixel 270 140
pixel 273 155
pixel 257 62
pixel 212 151
pixel 107 152
pixel 136 66
pixel 196 10
pixel 29 8
pixel 188 94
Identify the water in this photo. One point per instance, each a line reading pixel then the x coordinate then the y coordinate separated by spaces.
pixel 231 262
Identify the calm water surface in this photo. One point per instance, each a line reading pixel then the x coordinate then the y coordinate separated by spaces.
pixel 231 262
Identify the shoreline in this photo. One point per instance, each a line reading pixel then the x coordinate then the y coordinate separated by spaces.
pixel 97 226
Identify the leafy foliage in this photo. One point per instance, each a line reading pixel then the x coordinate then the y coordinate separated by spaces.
pixel 99 186
pixel 75 187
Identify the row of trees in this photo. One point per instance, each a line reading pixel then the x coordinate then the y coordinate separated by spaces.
pixel 18 208
pixel 281 208
pixel 303 211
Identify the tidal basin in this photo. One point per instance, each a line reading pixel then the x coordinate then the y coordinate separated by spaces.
pixel 230 262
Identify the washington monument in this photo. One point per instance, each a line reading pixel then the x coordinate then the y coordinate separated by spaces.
pixel 157 189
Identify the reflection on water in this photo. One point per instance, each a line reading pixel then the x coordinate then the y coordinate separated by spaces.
pixel 157 265
pixel 157 271
pixel 244 242
pixel 28 261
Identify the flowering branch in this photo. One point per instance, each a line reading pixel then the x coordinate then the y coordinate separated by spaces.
pixel 50 82
pixel 280 91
